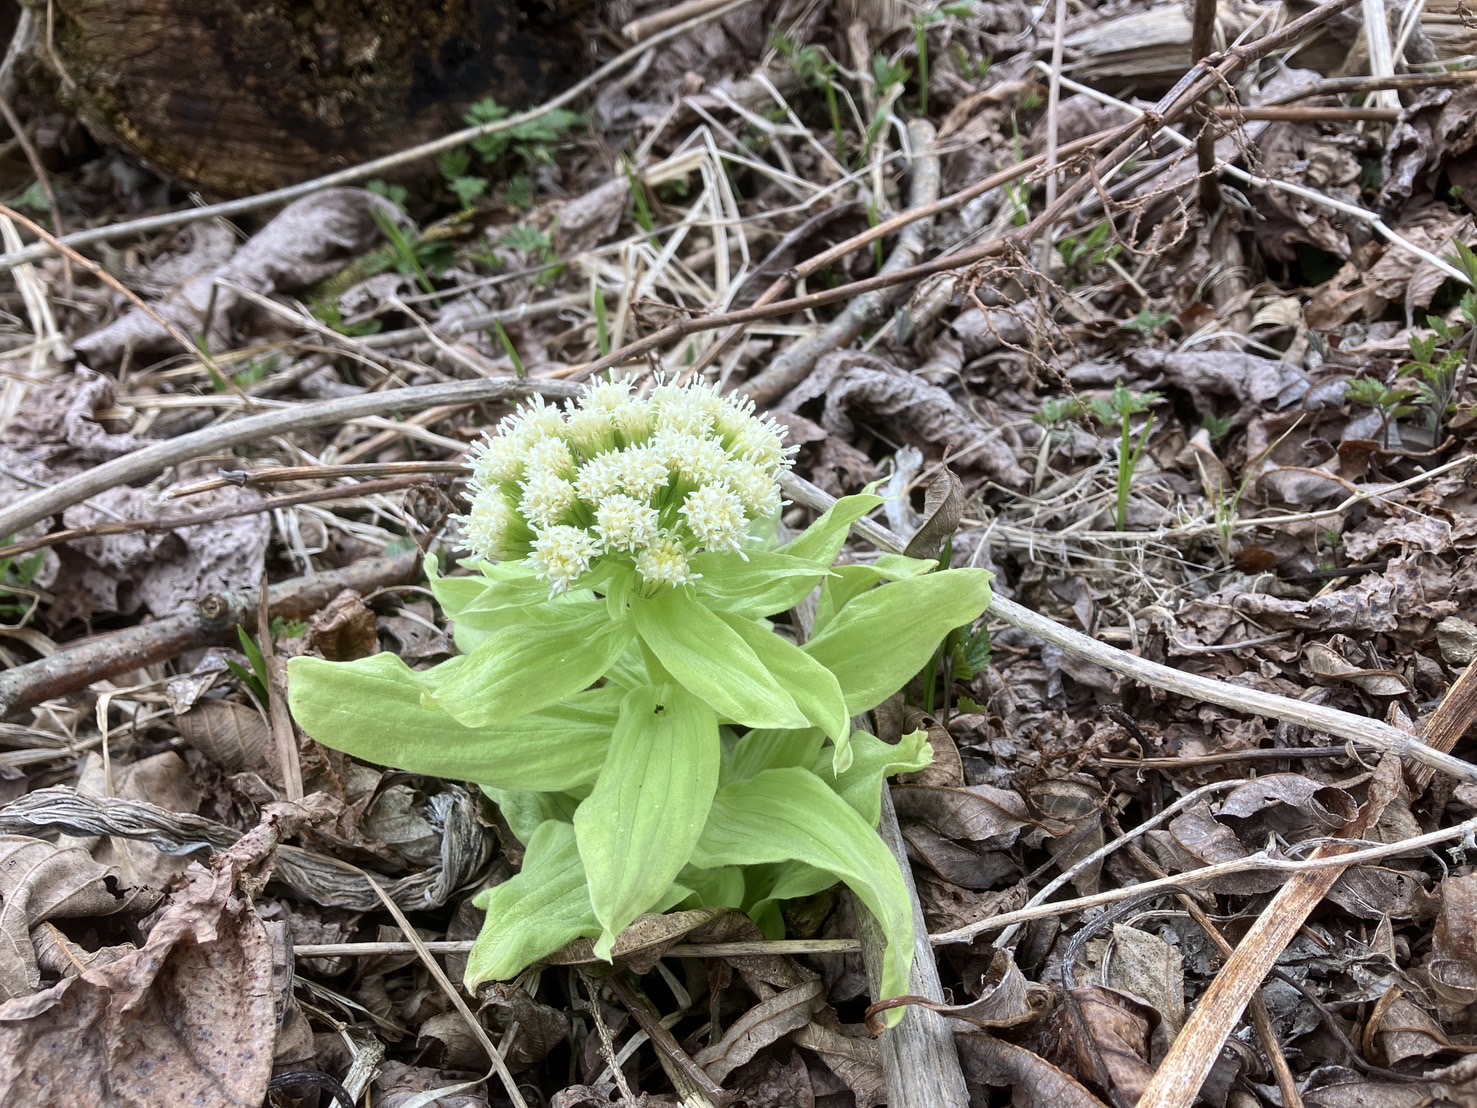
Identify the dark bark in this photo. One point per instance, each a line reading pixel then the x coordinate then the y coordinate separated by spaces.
pixel 237 98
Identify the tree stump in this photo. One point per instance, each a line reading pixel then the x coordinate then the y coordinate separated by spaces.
pixel 240 97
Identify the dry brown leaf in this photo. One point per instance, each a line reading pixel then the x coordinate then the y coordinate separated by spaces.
pixel 768 1083
pixel 1328 666
pixel 956 862
pixel 397 1085
pixel 231 734
pixel 1146 966
pixel 309 240
pixel 1431 138
pixel 761 1025
pixel 1300 154
pixel 1453 966
pixel 1006 998
pixel 541 1028
pixel 1033 1081
pixel 1398 1029
pixel 464 847
pixel 1213 377
pixel 943 502
pixel 856 1059
pixel 1078 805
pixel 1101 1036
pixel 641 945
pixel 186 1019
pixel 1325 807
pixel 862 387
pixel 979 813
pixel 42 881
pixel 1196 838
pixel 343 629
pixel 165 573
pixel 1376 893
pixel 163 780
pixel 1335 1087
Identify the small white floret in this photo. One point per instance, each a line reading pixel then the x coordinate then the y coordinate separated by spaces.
pixel 664 562
pixel 546 498
pixel 625 523
pixel 716 515
pixel 562 555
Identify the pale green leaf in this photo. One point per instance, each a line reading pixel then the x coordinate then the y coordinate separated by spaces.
pixel 810 684
pixel 375 709
pixel 638 826
pixel 860 785
pixel 822 540
pixel 784 815
pixel 711 660
pixel 714 888
pixel 848 582
pixel 760 584
pixel 528 666
pixel 535 912
pixel 524 812
pixel 882 638
pixel 773 748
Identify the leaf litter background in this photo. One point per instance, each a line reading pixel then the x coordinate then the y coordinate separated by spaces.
pixel 169 842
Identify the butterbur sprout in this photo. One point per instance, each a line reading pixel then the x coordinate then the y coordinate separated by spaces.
pixel 653 745
pixel 646 482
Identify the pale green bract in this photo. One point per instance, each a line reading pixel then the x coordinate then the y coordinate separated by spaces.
pixel 622 694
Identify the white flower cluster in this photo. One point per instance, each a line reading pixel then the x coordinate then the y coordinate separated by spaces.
pixel 650 480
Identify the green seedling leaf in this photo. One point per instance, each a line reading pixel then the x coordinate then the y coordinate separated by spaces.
pixel 376 709
pixel 714 888
pixel 784 815
pixel 809 683
pixel 637 828
pixel 528 666
pixel 882 638
pixel 711 659
pixel 535 912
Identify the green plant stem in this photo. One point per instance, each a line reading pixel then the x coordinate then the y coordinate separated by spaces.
pixel 836 127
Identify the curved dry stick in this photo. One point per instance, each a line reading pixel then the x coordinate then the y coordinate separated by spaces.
pixel 871 309
pixel 1198 82
pixel 213 620
pixel 156 457
pixel 1316 717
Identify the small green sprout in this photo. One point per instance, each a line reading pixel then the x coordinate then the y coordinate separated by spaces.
pixel 813 66
pixel 326 310
pixel 625 693
pixel 18 600
pixel 526 147
pixel 1391 402
pixel 519 369
pixel 1055 413
pixel 1217 426
pixel 889 77
pixel 253 676
pixel 1148 322
pixel 1118 410
pixel 920 43
pixel 1094 249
